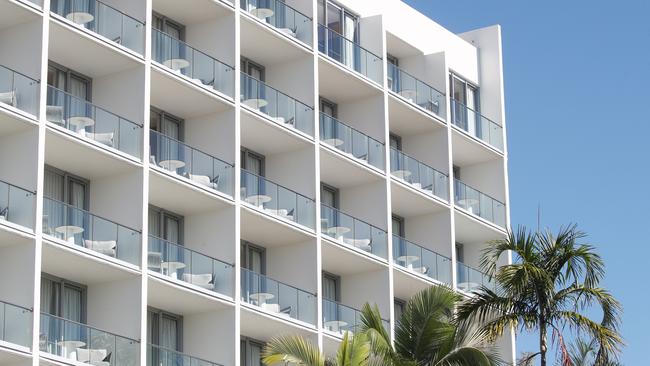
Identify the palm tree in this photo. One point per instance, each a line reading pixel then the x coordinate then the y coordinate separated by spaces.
pixel 353 351
pixel 583 353
pixel 553 281
pixel 427 334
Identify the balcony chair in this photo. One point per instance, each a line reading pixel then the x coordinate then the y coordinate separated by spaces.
pixel 430 105
pixel 205 280
pixel 204 180
pixel 4 212
pixel 9 98
pixel 363 244
pixel 54 114
pixel 105 138
pixel 96 357
pixel 281 212
pixel 106 247
pixel 289 31
pixel 152 160
pixel 154 261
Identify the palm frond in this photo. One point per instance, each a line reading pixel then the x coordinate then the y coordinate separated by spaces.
pixel 293 349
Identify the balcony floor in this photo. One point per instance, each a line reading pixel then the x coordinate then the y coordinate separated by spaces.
pixel 267 137
pixel 471 229
pixel 410 201
pixel 407 119
pixel 344 260
pixel 339 84
pixel 469 151
pixel 263 326
pixel 269 231
pixel 175 298
pixel 266 45
pixel 342 171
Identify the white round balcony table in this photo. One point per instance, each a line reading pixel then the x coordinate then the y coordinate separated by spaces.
pixel 402 174
pixel 467 286
pixel 408 260
pixel 176 64
pixel 408 94
pixel 255 103
pixel 262 13
pixel 80 122
pixel 172 165
pixel 80 17
pixel 338 231
pixel 335 325
pixel 171 268
pixel 334 142
pixel 258 199
pixel 69 346
pixel 69 232
pixel 261 297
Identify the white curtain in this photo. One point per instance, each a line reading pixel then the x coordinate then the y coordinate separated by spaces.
pixel 168 333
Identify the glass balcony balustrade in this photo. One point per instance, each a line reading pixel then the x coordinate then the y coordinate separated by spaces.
pixel 79 227
pixel 283 17
pixel 158 355
pixel 349 54
pixel 353 232
pixel 277 200
pixel 480 204
pixel 416 91
pixel 16 323
pixel 420 260
pixel 204 70
pixel 104 20
pixel 279 107
pixel 418 175
pixel 339 318
pixel 470 279
pixel 89 121
pixel 351 142
pixel 19 91
pixel 180 263
pixel 82 343
pixel 476 125
pixel 190 163
pixel 278 298
pixel 17 205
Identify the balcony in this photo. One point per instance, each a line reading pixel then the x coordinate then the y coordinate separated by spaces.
pixel 84 344
pixel 418 175
pixel 416 92
pixel 479 204
pixel 279 107
pixel 103 20
pixel 19 91
pixel 351 142
pixel 339 318
pixel 189 163
pixel 476 125
pixel 420 260
pixel 282 17
pixel 277 200
pixel 202 69
pixel 349 54
pixel 180 263
pixel 157 355
pixel 353 232
pixel 80 228
pixel 17 205
pixel 90 122
pixel 278 298
pixel 470 279
pixel 16 323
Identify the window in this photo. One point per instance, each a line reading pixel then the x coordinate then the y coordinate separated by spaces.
pixel 327 107
pixel 166 225
pixel 65 187
pixel 70 81
pixel 329 195
pixel 165 330
pixel 253 69
pixel 393 73
pixel 465 102
pixel 253 257
pixel 252 161
pixel 251 352
pixel 399 306
pixel 343 22
pixel 331 287
pixel 63 298
pixel 395 141
pixel 398 226
pixel 460 253
pixel 169 26
pixel 166 124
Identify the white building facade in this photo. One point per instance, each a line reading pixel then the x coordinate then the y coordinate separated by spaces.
pixel 181 181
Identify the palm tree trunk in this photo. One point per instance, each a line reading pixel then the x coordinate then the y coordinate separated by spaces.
pixel 542 341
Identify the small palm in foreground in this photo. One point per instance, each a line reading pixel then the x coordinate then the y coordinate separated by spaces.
pixel 553 281
pixel 584 353
pixel 353 351
pixel 427 334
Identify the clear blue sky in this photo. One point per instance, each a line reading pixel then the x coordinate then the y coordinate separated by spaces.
pixel 577 79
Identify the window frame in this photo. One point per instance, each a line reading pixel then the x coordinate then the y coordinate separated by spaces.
pixel 335 192
pixel 163 114
pixel 69 73
pixel 67 179
pixel 158 17
pixel 245 248
pixel 337 284
pixel 63 283
pixel 161 214
pixel 245 152
pixel 159 313
pixel 244 349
